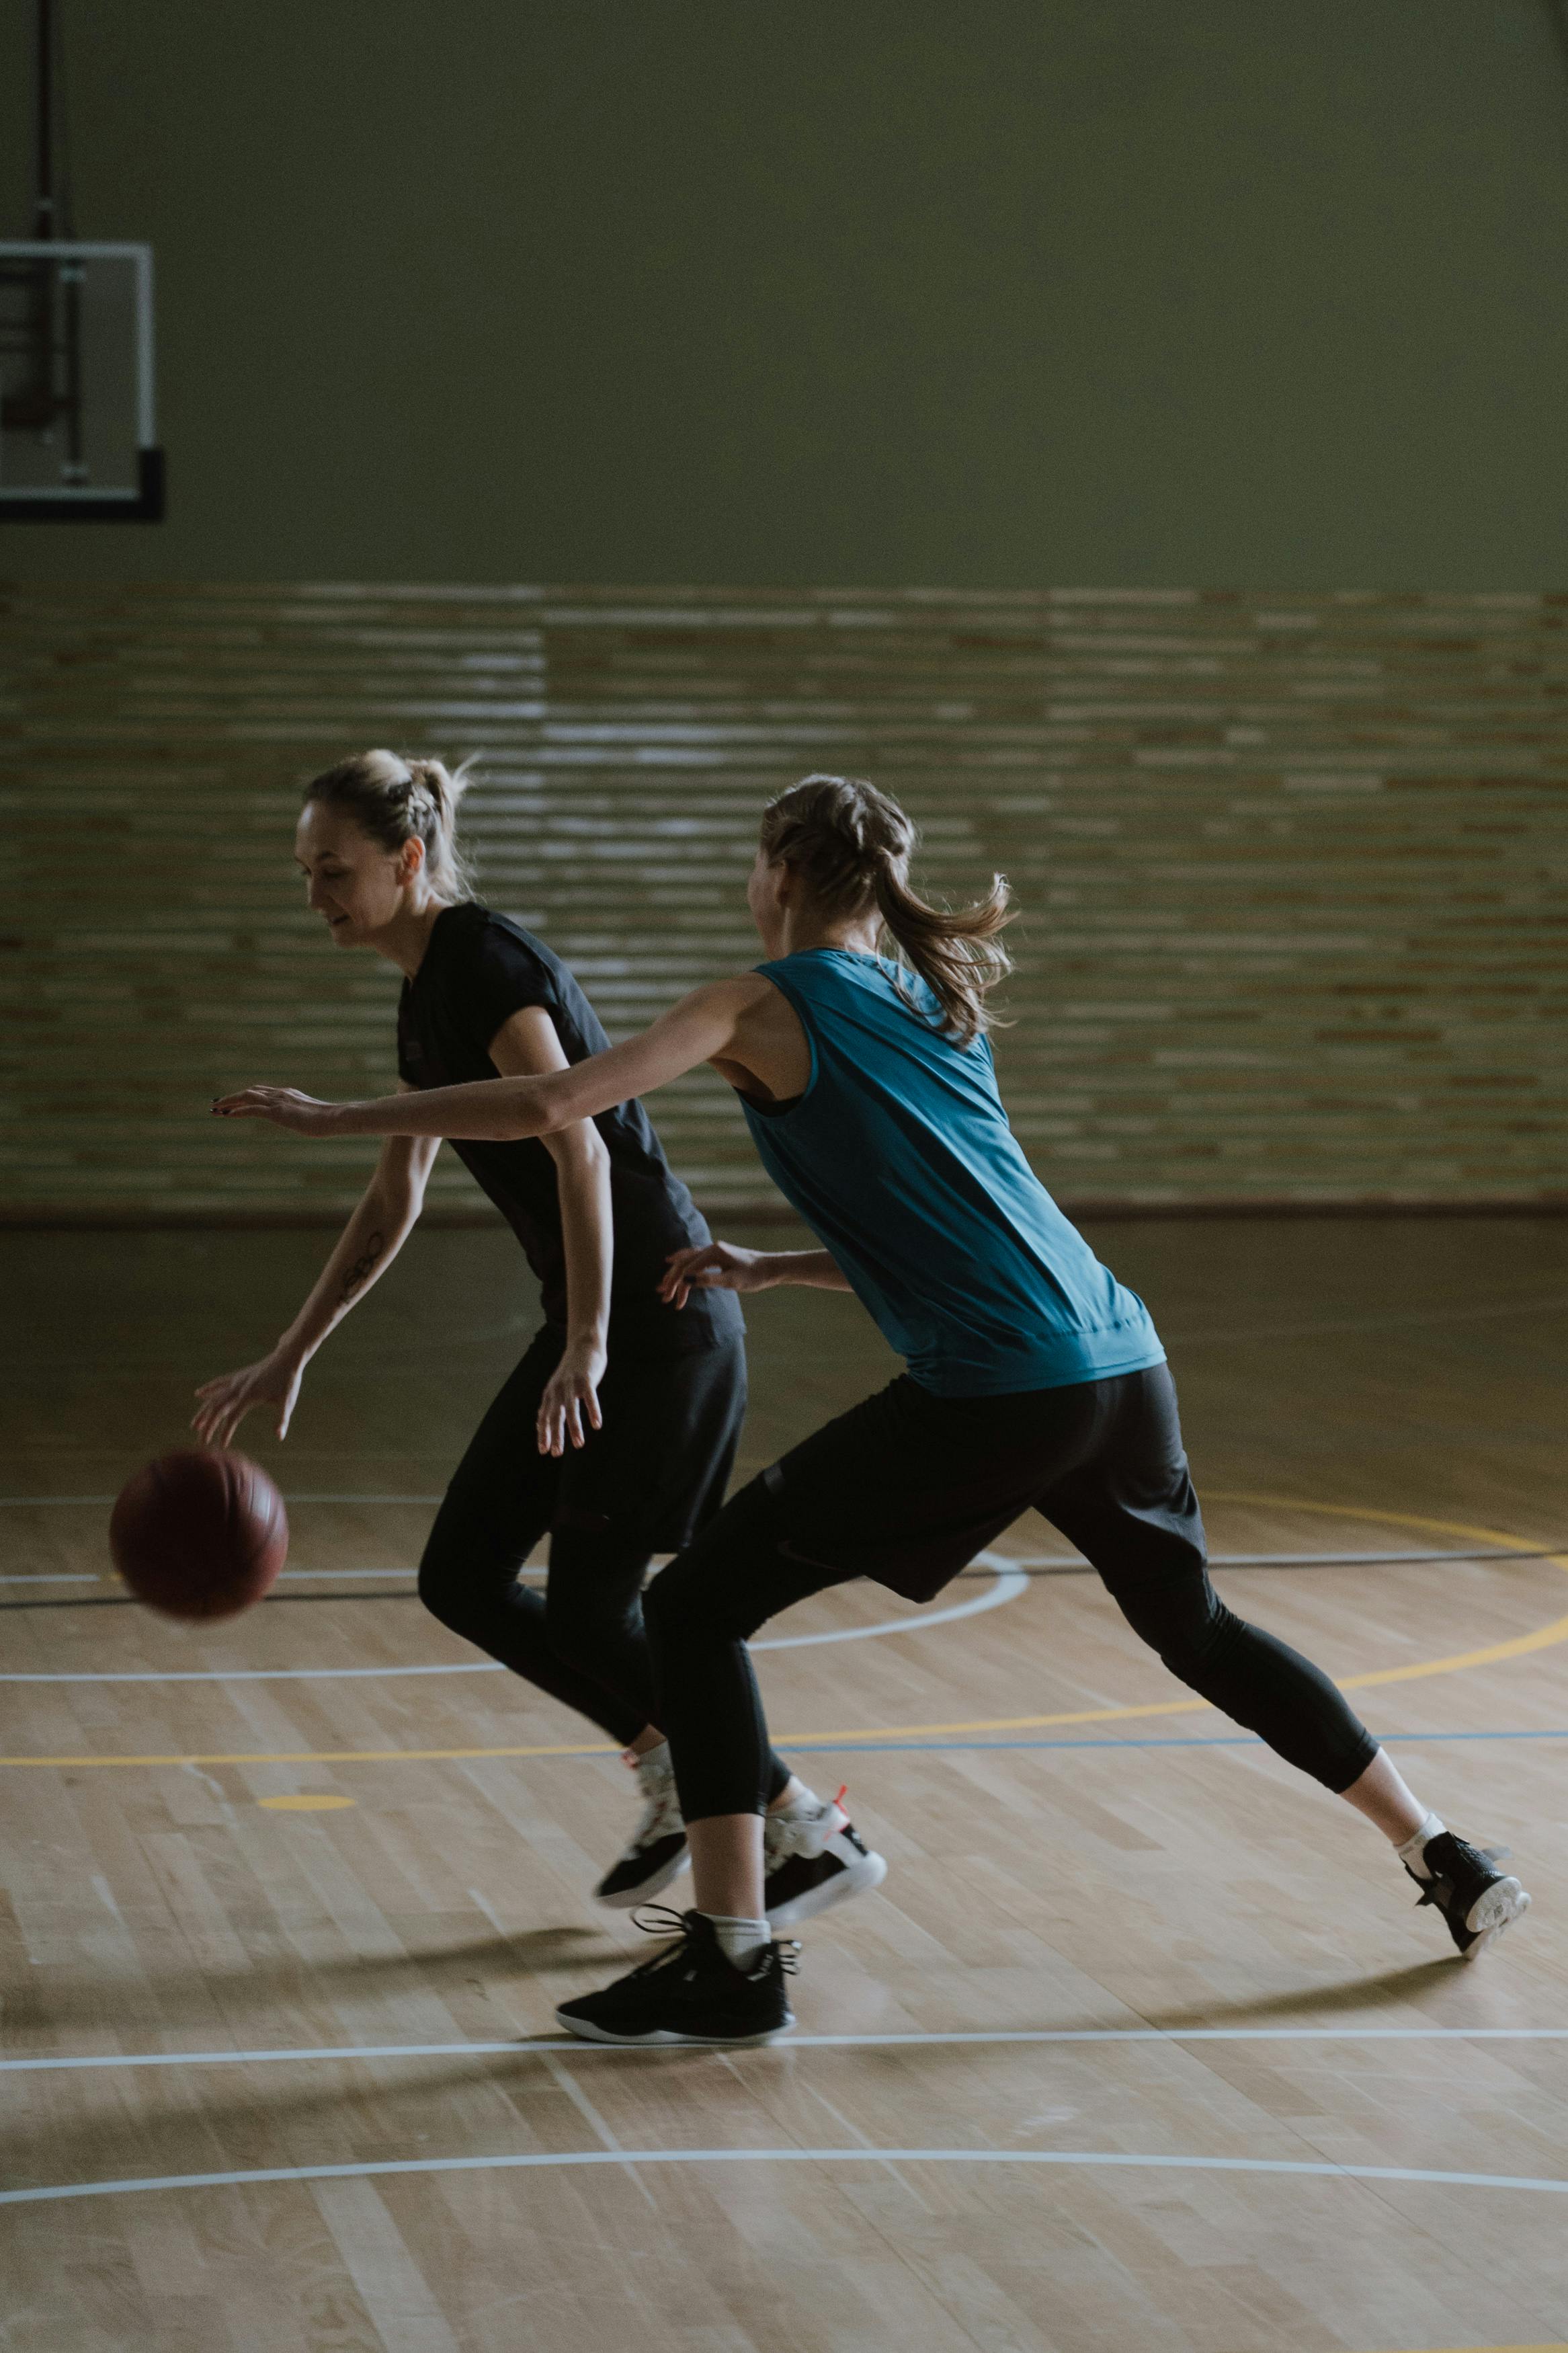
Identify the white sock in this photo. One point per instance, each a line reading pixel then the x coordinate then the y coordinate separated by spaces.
pixel 1412 1853
pixel 804 1803
pixel 739 1940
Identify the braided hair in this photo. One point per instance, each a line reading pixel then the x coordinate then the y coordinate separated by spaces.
pixel 851 846
pixel 398 800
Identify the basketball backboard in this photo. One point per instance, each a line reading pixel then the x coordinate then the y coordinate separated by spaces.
pixel 77 429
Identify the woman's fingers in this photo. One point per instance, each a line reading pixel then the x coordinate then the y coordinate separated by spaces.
pixel 285 1106
pixel 225 1403
pixel 551 1420
pixel 258 1102
pixel 688 1269
pixel 682 1264
pixel 567 1412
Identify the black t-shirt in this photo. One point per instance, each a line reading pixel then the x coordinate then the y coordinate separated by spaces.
pixel 478 969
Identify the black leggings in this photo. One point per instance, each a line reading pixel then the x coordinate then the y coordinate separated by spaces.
pixel 1131 1515
pixel 582 1638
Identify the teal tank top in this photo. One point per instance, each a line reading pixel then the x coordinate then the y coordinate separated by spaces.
pixel 899 1158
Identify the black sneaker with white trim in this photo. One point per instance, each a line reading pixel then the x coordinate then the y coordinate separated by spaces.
pixel 810 1861
pixel 1476 1899
pixel 657 1850
pixel 691 1992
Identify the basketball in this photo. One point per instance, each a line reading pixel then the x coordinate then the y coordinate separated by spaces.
pixel 199 1533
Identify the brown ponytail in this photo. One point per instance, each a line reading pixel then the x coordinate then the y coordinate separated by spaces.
pixel 396 801
pixel 851 846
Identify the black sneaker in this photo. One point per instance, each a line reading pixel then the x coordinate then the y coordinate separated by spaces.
pixel 657 1850
pixel 1477 1900
pixel 689 1992
pixel 810 1861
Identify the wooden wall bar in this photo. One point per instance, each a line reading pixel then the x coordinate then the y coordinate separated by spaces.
pixel 1292 867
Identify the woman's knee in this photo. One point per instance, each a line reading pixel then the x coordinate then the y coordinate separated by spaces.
pixel 666 1606
pixel 684 1603
pixel 589 1602
pixel 438 1589
pixel 731 1578
pixel 1183 1618
pixel 460 1580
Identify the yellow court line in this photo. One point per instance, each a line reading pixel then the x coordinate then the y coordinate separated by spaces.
pixel 1519 1646
pixel 1544 1639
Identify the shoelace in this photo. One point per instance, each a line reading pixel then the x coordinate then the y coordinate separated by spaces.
pixel 661 1920
pixel 1440 1890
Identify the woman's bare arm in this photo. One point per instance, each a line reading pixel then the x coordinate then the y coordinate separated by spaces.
pixel 376 1231
pixel 727 1266
pixel 734 1021
pixel 527 1046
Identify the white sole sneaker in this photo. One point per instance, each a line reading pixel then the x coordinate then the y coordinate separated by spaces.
pixel 1504 1901
pixel 621 1892
pixel 853 1874
pixel 665 2038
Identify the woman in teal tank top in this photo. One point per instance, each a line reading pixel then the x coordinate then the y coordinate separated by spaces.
pixel 1034 1379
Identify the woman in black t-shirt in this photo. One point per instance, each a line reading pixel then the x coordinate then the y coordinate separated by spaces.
pixel 616 1432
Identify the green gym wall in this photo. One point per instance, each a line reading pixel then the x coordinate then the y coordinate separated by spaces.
pixel 1137 435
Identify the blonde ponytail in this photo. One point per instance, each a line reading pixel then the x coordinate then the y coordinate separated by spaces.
pixel 397 800
pixel 851 846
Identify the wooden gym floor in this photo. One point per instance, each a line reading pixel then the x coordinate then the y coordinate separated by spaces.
pixel 1142 2048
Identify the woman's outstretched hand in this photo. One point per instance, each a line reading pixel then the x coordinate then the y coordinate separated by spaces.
pixel 224 1403
pixel 716 1266
pixel 571 1399
pixel 284 1106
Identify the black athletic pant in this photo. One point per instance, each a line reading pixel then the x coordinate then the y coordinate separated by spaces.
pixel 581 1640
pixel 907 1488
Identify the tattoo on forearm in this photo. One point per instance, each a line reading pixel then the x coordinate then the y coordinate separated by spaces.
pixel 360 1273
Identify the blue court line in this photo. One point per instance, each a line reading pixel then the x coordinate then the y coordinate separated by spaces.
pixel 867 1747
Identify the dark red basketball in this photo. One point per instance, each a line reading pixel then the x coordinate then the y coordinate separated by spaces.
pixel 199 1533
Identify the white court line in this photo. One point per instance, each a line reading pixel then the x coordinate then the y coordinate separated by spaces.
pixel 1023 1560
pixel 372 1572
pixel 93 1576
pixel 978 2036
pixel 21 1503
pixel 1010 1582
pixel 51 1576
pixel 537 2161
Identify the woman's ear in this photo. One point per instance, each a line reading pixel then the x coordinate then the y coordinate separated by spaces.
pixel 410 860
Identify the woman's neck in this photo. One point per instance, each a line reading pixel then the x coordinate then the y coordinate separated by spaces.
pixel 404 940
pixel 802 931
